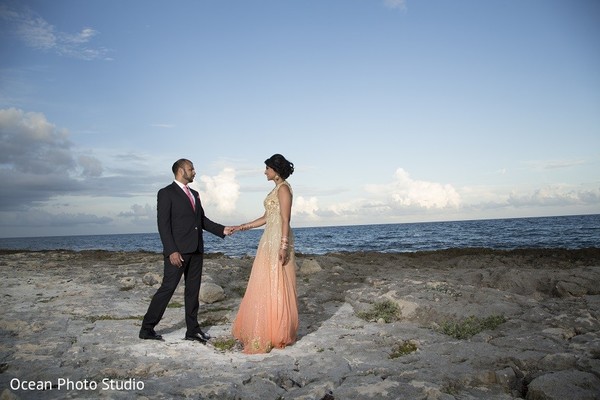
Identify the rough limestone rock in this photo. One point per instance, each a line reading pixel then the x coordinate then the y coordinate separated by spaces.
pixel 8 395
pixel 211 292
pixel 309 266
pixel 71 319
pixel 127 283
pixel 151 279
pixel 565 385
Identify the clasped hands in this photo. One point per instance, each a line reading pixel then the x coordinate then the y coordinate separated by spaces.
pixel 230 230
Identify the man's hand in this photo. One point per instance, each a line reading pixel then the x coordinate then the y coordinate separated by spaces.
pixel 176 259
pixel 229 230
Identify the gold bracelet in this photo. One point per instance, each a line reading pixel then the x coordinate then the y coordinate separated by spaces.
pixel 284 243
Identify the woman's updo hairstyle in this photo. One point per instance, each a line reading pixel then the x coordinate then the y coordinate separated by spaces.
pixel 280 165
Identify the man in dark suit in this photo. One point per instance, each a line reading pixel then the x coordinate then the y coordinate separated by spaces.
pixel 181 221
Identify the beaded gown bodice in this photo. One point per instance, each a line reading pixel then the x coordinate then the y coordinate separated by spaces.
pixel 272 235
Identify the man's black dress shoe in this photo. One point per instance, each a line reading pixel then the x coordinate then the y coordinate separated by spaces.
pixel 197 337
pixel 204 335
pixel 149 334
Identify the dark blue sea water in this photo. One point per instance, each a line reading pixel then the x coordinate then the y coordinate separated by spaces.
pixel 570 232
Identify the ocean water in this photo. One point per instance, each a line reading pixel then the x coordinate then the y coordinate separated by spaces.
pixel 570 232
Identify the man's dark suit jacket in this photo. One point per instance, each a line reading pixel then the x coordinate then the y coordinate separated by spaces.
pixel 179 226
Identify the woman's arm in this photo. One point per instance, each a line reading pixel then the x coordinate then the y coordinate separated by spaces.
pixel 285 205
pixel 254 224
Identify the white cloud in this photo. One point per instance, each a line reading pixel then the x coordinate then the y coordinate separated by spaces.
pixel 306 208
pixel 396 4
pixel 556 164
pixel 138 211
pixel 494 197
pixel 39 34
pixel 40 218
pixel 557 195
pixel 31 144
pixel 407 192
pixel 38 160
pixel 382 203
pixel 407 199
pixel 91 166
pixel 221 190
pixel 82 37
pixel 348 208
pixel 36 32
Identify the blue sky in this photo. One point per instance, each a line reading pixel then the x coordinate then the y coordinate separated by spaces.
pixel 392 111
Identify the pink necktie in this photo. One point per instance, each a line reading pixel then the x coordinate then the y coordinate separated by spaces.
pixel 189 194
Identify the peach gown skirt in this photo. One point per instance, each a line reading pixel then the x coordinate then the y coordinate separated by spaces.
pixel 268 314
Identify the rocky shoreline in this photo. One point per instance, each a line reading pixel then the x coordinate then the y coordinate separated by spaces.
pixel 452 324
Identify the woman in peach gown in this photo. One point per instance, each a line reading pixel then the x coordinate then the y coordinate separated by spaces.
pixel 268 314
